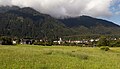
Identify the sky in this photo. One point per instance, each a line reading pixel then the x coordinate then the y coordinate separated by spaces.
pixel 104 9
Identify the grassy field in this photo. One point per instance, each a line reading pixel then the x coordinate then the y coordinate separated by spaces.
pixel 58 57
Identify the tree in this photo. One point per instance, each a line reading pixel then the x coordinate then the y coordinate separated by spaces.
pixel 6 41
pixel 103 41
pixel 115 43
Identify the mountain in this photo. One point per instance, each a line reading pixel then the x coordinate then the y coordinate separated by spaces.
pixel 27 22
pixel 87 25
pixel 87 21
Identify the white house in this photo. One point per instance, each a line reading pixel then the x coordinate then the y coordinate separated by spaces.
pixel 14 42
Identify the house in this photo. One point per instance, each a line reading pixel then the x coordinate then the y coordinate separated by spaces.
pixel 14 42
pixel 60 41
pixel 26 41
pixel 92 40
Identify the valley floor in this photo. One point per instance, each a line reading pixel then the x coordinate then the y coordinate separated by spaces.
pixel 58 57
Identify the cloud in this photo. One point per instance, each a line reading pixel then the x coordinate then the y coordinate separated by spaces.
pixel 117 13
pixel 116 7
pixel 5 2
pixel 65 8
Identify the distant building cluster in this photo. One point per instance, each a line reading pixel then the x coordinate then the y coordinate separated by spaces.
pixel 60 41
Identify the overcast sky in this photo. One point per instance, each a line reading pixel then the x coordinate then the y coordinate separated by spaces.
pixel 105 9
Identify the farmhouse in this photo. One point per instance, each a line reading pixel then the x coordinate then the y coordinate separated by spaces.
pixel 26 41
pixel 14 42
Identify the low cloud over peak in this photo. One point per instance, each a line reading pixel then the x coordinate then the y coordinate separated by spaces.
pixel 65 8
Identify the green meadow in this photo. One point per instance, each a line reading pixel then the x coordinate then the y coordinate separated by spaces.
pixel 58 57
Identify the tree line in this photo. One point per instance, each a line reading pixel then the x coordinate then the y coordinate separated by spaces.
pixel 103 41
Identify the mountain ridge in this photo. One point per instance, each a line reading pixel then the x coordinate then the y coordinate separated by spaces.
pixel 27 22
pixel 92 21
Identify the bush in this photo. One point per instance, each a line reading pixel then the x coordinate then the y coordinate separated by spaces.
pixel 38 43
pixel 6 41
pixel 43 43
pixel 103 41
pixel 105 48
pixel 48 43
pixel 115 43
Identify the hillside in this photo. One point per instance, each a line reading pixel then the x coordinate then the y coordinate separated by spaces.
pixel 87 25
pixel 87 21
pixel 27 22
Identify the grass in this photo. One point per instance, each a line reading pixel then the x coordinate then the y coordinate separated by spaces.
pixel 58 57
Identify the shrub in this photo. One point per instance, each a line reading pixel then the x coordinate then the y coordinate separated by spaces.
pixel 38 43
pixel 66 44
pixel 43 43
pixel 105 48
pixel 115 43
pixel 103 41
pixel 48 43
pixel 6 41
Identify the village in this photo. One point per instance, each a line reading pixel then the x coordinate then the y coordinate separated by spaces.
pixel 59 42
